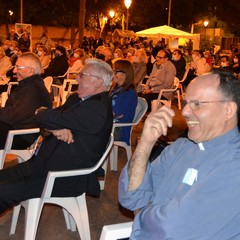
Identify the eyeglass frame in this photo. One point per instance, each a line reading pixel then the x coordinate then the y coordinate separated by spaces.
pixel 81 74
pixel 22 67
pixel 160 57
pixel 197 103
pixel 118 71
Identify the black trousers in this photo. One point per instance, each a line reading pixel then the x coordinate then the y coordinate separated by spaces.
pixel 18 184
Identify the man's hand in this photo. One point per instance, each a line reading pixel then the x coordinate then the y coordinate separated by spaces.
pixel 147 91
pixel 64 135
pixel 157 124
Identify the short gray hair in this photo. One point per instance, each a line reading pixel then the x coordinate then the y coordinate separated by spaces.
pixel 33 61
pixel 103 70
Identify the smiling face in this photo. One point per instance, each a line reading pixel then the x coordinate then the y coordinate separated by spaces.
pixel 208 120
pixel 89 82
pixel 23 69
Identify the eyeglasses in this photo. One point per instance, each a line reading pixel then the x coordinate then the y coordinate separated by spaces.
pixel 21 67
pixel 118 71
pixel 81 74
pixel 160 57
pixel 196 104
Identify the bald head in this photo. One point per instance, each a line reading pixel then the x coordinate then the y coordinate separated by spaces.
pixel 211 106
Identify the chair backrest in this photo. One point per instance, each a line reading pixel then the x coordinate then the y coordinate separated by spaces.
pixel 10 84
pixel 48 83
pixel 175 87
pixel 141 109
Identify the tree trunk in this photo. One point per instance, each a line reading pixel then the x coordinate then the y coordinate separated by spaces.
pixel 82 13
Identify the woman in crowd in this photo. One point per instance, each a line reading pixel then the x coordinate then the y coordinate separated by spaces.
pixel 58 66
pixel 124 98
pixel 236 63
pixel 43 56
pixel 75 62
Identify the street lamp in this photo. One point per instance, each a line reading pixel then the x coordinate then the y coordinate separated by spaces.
pixel 205 23
pixel 127 5
pixel 111 13
pixel 10 15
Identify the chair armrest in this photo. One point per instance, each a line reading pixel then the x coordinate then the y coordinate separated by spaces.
pixel 48 187
pixel 116 231
pixel 12 133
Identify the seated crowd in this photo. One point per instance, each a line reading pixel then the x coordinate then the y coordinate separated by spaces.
pixel 110 80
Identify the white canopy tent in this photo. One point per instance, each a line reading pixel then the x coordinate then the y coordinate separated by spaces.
pixel 169 33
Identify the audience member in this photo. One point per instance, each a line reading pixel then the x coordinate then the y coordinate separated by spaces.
pixel 24 40
pixel 130 54
pixel 236 63
pixel 179 63
pixel 140 68
pixel 124 98
pixel 75 62
pixel 43 56
pixel 187 56
pixel 162 77
pixel 226 64
pixel 106 55
pixel 58 66
pixel 12 36
pixel 75 46
pixel 19 111
pixel 80 132
pixel 98 41
pixel 46 41
pixel 6 47
pixel 193 183
pixel 5 63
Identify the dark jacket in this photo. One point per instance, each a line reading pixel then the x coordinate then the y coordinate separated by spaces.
pixel 57 67
pixel 90 122
pixel 19 111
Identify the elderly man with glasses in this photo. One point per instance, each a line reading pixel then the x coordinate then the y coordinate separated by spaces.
pixel 30 94
pixel 78 131
pixel 190 191
pixel 161 77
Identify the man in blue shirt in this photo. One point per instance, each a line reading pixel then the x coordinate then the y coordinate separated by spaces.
pixel 191 190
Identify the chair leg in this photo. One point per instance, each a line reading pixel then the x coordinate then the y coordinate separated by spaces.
pixel 114 158
pixel 129 152
pixel 84 224
pixel 179 100
pixel 1 159
pixel 33 209
pixel 16 211
pixel 104 167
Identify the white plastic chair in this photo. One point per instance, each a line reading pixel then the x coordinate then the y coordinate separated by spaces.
pixel 4 95
pixel 74 207
pixel 180 87
pixel 60 93
pixel 48 83
pixel 174 89
pixel 139 113
pixel 23 154
pixel 116 231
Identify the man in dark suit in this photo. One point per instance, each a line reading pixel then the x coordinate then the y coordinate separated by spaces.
pixel 78 134
pixel 30 94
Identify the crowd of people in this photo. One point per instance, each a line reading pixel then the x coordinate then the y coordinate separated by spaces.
pixel 178 195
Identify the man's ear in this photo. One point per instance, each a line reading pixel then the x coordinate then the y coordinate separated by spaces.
pixel 230 110
pixel 99 82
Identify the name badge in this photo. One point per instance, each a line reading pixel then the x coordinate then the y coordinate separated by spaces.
pixel 190 176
